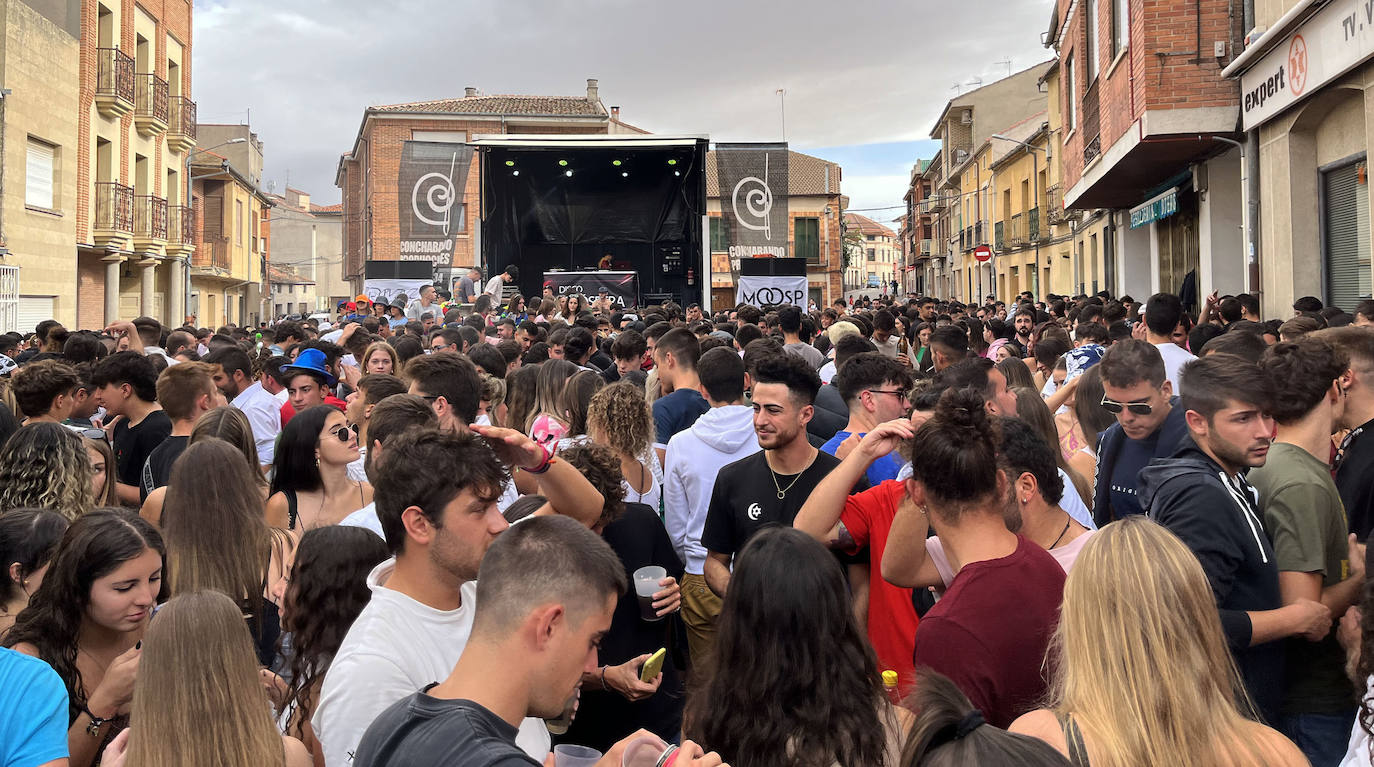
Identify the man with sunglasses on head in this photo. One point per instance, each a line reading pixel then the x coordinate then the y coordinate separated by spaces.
pixel 1148 425
pixel 874 387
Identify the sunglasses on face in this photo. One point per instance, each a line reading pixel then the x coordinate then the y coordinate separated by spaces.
pixel 1115 408
pixel 344 432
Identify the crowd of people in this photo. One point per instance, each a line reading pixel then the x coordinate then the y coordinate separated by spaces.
pixel 475 530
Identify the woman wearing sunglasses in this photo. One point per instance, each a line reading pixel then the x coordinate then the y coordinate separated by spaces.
pixel 310 485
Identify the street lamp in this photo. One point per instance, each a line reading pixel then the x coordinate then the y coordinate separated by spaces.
pixel 1035 186
pixel 186 269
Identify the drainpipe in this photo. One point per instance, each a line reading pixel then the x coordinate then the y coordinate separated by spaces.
pixel 1250 170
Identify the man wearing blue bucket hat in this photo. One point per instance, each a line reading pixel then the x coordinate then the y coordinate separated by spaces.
pixel 309 382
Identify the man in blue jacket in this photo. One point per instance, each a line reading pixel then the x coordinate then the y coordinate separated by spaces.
pixel 1201 495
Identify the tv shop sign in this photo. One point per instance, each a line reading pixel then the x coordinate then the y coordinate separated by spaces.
pixel 1334 41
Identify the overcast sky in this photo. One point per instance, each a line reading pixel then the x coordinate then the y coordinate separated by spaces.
pixel 864 79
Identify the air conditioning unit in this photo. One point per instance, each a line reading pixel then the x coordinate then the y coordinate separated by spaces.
pixel 966 117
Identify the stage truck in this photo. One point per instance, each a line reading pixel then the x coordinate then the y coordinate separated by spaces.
pixel 580 213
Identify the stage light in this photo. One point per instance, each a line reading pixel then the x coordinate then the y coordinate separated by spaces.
pixel 624 174
pixel 563 163
pixel 567 173
pixel 510 163
pixel 616 163
pixel 515 173
pixel 672 162
pixel 677 173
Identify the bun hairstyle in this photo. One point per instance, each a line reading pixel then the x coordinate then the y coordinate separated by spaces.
pixel 955 457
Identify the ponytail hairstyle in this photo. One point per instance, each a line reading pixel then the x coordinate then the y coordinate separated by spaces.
pixel 958 453
pixel 950 732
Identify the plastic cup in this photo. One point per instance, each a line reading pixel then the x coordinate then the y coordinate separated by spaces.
pixel 567 755
pixel 646 585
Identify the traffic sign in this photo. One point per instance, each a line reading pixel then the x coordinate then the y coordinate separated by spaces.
pixel 983 254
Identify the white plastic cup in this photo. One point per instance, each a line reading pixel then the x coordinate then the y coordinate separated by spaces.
pixel 646 585
pixel 567 755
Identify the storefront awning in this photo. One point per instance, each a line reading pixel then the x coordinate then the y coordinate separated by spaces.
pixel 1157 207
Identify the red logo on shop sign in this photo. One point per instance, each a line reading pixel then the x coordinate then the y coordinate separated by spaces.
pixel 1297 65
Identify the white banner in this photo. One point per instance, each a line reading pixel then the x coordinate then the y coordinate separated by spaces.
pixel 1326 46
pixel 764 291
pixel 385 290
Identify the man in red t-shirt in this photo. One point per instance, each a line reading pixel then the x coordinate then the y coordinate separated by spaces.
pixel 849 523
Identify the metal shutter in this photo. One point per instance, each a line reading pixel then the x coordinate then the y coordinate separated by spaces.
pixel 38 168
pixel 1345 225
pixel 33 310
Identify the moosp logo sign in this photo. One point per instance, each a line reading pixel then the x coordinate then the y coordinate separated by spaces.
pixel 768 295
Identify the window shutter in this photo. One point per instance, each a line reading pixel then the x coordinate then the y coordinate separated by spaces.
pixel 38 187
pixel 1346 224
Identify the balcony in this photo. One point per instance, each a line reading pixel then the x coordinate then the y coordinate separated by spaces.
pixel 181 230
pixel 1016 231
pixel 1054 206
pixel 150 110
pixel 213 256
pixel 980 237
pixel 150 224
pixel 181 115
pixel 1092 113
pixel 998 236
pixel 114 214
pixel 1034 231
pixel 927 248
pixel 114 82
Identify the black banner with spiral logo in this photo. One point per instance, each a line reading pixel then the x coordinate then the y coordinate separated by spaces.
pixel 753 200
pixel 430 185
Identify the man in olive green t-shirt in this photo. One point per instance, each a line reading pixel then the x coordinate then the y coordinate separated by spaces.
pixel 1304 518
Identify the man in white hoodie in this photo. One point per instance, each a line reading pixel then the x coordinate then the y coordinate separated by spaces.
pixel 722 435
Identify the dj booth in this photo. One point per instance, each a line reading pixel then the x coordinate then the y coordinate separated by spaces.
pixel 579 213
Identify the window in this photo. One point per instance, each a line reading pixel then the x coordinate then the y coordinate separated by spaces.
pixel 806 239
pixel 1345 235
pixel 1090 41
pixel 871 238
pixel 238 222
pixel 871 254
pixel 1071 92
pixel 254 240
pixel 440 136
pixel 1121 26
pixel 719 244
pixel 38 179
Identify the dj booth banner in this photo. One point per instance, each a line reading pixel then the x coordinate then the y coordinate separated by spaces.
pixel 383 290
pixel 430 184
pixel 766 291
pixel 622 287
pixel 753 199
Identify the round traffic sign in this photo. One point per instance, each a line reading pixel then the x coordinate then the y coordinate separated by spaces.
pixel 983 254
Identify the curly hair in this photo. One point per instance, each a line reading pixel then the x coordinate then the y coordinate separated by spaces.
pixel 95 545
pixel 823 697
pixel 622 419
pixel 601 468
pixel 45 466
pixel 328 589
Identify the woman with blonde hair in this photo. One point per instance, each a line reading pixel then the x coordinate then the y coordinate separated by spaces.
pixel 619 418
pixel 380 357
pixel 1141 673
pixel 1031 408
pixel 198 700
pixel 45 466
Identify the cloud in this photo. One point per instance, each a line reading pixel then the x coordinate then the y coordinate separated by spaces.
pixel 859 73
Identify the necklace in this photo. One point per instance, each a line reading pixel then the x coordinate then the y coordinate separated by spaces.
pixel 1067 522
pixel 782 493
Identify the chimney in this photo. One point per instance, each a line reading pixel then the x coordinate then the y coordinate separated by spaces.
pixel 615 113
pixel 591 90
pixel 469 92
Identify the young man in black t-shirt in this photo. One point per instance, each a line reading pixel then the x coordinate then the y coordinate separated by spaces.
pixel 546 592
pixel 186 391
pixel 126 386
pixel 768 487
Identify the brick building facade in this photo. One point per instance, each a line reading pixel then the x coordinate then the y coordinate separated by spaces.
pixel 368 173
